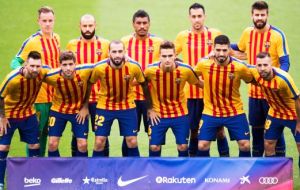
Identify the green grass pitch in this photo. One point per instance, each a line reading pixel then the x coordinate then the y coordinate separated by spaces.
pixel 19 21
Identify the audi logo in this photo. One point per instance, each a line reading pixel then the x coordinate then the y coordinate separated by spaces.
pixel 268 180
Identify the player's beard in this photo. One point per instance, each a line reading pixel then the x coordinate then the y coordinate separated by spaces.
pixel 260 24
pixel 142 33
pixel 117 61
pixel 221 59
pixel 88 35
pixel 265 75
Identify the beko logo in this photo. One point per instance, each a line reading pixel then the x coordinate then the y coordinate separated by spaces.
pixel 29 182
pixel 162 179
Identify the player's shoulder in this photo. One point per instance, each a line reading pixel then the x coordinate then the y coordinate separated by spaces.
pixel 87 66
pixel 282 74
pixel 151 68
pixel 183 33
pixel 101 63
pixel 248 30
pixel 183 66
pixel 73 41
pixel 154 37
pixel 53 72
pixel 278 32
pixel 13 74
pixel 133 63
pixel 102 40
pixel 126 38
pixel 214 30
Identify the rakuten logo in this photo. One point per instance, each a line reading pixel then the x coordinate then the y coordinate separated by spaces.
pixel 61 180
pixel 172 180
pixel 29 182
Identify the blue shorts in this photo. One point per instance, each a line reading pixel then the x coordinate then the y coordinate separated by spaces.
pixel 274 128
pixel 258 111
pixel 126 118
pixel 58 121
pixel 92 110
pixel 179 126
pixel 237 126
pixel 141 111
pixel 195 108
pixel 28 130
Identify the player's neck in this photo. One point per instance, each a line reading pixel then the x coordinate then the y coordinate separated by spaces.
pixel 88 40
pixel 200 30
pixel 68 77
pixel 265 29
pixel 167 68
pixel 116 66
pixel 138 37
pixel 270 77
pixel 25 73
pixel 47 35
pixel 226 62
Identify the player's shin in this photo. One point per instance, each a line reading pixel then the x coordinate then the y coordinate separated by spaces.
pixel 3 156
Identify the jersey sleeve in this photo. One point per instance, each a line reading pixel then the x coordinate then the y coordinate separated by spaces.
pixel 138 74
pixel 27 46
pixel 4 88
pixel 290 86
pixel 282 46
pixel 198 69
pixel 243 41
pixel 246 74
pixel 95 75
pixel 192 77
pixel 177 43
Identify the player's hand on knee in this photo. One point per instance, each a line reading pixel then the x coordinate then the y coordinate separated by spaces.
pixel 4 123
pixel 153 117
pixel 82 115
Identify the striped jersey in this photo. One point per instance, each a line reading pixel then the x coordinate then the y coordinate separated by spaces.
pixel 116 92
pixel 49 48
pixel 194 46
pixel 20 93
pixel 167 89
pixel 253 42
pixel 221 86
pixel 280 92
pixel 69 93
pixel 144 52
pixel 90 52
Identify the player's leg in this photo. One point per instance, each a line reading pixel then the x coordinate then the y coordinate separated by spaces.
pixel 157 134
pixel 292 125
pixel 42 112
pixel 57 124
pixel 80 131
pixel 207 132
pixel 222 143
pixel 258 110
pixel 180 128
pixel 128 128
pixel 195 112
pixel 238 128
pixel 273 130
pixel 103 123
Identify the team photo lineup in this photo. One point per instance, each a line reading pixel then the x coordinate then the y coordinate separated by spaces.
pixel 190 84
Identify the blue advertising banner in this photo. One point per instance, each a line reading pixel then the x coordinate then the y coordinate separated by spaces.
pixel 149 173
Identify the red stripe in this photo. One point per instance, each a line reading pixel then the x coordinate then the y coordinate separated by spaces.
pixel 127 87
pixel 45 52
pixel 144 53
pixel 210 42
pixel 20 99
pixel 165 88
pixel 172 82
pixel 51 53
pixel 129 47
pixel 202 45
pixel 254 59
pixel 92 52
pixel 48 90
pixel 217 90
pixel 99 49
pixel 121 87
pixel 81 88
pixel 261 43
pixel 274 104
pixel 158 91
pixel 190 57
pixel 231 90
pixel 107 86
pixel 178 93
pixel 151 52
pixel 75 93
pixel 250 57
pixel 136 50
pixel 59 86
pixel 32 96
pixel 98 90
pixel 196 49
pixel 211 93
pixel 27 99
pixel 69 96
pixel 85 53
pixel 93 93
pixel 56 53
pixel 114 88
pixel 224 95
pixel 36 90
pixel 268 40
pixel 78 52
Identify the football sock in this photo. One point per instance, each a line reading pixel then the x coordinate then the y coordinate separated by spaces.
pixel 223 147
pixel 3 156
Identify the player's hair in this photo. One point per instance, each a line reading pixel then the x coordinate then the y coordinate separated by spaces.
pixel 262 55
pixel 222 40
pixel 260 5
pixel 45 9
pixel 34 55
pixel 115 42
pixel 140 13
pixel 196 6
pixel 67 55
pixel 166 45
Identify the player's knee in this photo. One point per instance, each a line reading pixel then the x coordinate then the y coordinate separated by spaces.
pixel 131 141
pixel 82 145
pixel 4 147
pixel 99 143
pixel 244 145
pixel 33 146
pixel 298 147
pixel 203 145
pixel 155 148
pixel 182 147
pixel 52 144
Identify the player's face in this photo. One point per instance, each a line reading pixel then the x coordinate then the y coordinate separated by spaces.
pixel 264 67
pixel 260 18
pixel 46 22
pixel 167 59
pixel 117 54
pixel 141 26
pixel 197 18
pixel 67 68
pixel 88 28
pixel 33 67
pixel 221 52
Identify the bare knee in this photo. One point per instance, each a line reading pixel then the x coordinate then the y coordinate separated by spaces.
pixel 203 145
pixel 99 143
pixel 131 141
pixel 155 148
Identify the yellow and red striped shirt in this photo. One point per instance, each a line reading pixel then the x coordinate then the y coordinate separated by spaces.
pixel 280 92
pixel 221 86
pixel 20 93
pixel 69 93
pixel 167 92
pixel 253 42
pixel 49 48
pixel 116 92
pixel 194 46
pixel 144 52
pixel 90 52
